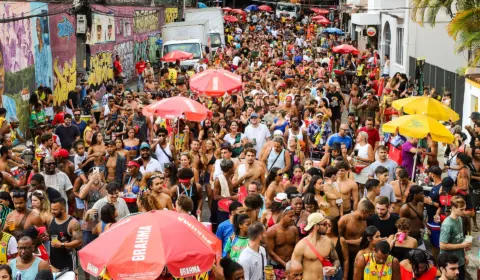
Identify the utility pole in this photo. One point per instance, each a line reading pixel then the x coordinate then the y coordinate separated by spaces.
pixel 82 12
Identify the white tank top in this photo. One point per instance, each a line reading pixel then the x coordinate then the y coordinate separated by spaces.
pixel 362 150
pixel 299 135
pixel 161 157
pixel 106 110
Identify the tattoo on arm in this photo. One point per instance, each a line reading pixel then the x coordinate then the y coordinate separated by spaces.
pixel 77 232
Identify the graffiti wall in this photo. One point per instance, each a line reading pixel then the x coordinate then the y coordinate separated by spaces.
pixel 171 14
pixel 41 50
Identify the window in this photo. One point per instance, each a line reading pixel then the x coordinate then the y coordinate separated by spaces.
pixel 388 39
pixel 399 58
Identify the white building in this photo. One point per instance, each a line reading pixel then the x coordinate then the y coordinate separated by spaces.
pixel 405 41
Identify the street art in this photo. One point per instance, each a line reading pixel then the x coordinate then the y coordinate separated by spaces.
pixel 65 28
pixel 65 79
pixel 125 51
pixel 103 29
pixel 147 49
pixel 171 14
pixel 41 44
pixel 101 68
pixel 145 21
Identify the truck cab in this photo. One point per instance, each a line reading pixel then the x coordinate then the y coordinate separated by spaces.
pixel 192 46
pixel 288 10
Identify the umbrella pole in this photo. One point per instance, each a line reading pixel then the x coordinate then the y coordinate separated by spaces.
pixel 414 164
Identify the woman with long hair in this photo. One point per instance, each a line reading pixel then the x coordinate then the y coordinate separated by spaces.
pixel 97 149
pixel 108 216
pixel 231 270
pixel 275 185
pixel 363 155
pixel 400 242
pixel 371 236
pixel 418 265
pixel 120 147
pixel 316 187
pixel 281 123
pixel 220 128
pixel 296 153
pixel 239 240
pixel 184 205
pixel 297 176
pixel 235 138
pixel 186 162
pixel 271 214
pixel 131 144
pixel 170 171
pixel 41 205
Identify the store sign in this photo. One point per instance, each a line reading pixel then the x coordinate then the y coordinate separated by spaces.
pixel 371 31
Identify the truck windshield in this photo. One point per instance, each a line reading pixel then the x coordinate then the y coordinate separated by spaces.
pixel 285 8
pixel 215 40
pixel 186 47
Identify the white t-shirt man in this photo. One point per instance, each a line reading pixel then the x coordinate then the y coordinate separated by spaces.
pixel 236 60
pixel 258 135
pixel 253 263
pixel 60 182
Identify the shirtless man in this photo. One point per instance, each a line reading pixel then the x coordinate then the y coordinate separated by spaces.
pixel 4 159
pixel 316 243
pixel 156 184
pixel 348 188
pixel 332 193
pixel 64 164
pixel 352 226
pixel 281 240
pixel 21 218
pixel 292 111
pixel 413 210
pixel 196 156
pixel 401 188
pixel 115 165
pixel 223 188
pixel 250 171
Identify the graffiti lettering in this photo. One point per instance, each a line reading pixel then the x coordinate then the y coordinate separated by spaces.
pixel 65 28
pixel 145 21
pixel 171 14
pixel 65 79
pixel 125 51
pixel 101 68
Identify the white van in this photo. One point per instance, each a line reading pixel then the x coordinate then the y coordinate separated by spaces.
pixel 289 10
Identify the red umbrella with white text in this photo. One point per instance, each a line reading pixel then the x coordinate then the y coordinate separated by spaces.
pixel 215 82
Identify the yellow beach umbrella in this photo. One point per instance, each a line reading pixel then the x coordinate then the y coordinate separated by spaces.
pixel 419 126
pixel 427 106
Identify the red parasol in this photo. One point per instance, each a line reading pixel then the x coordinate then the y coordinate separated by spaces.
pixel 177 55
pixel 345 49
pixel 239 11
pixel 215 82
pixel 227 9
pixel 139 247
pixel 265 8
pixel 319 17
pixel 323 21
pixel 176 107
pixel 319 11
pixel 230 18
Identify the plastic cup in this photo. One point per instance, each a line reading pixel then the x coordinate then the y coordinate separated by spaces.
pixel 469 238
pixel 401 237
pixel 54 238
pixel 11 226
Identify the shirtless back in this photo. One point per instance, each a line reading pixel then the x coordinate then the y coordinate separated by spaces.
pixel 21 218
pixel 349 191
pixel 250 171
pixel 281 240
pixel 164 201
pixel 352 228
pixel 401 189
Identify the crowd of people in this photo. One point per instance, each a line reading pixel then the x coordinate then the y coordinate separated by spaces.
pixel 298 178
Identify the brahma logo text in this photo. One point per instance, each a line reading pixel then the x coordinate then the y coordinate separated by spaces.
pixel 92 268
pixel 189 270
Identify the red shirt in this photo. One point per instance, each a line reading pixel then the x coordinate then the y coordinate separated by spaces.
pixel 140 66
pixel 58 118
pixel 118 67
pixel 373 135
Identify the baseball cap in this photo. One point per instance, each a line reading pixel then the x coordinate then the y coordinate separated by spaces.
pixel 61 153
pixel 435 170
pixel 254 115
pixel 144 146
pixel 314 219
pixel 133 163
pixel 280 197
pixel 278 132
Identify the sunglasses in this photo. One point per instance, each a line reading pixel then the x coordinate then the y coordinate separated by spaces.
pixel 76 115
pixel 19 194
pixel 50 163
pixel 294 195
pixel 280 174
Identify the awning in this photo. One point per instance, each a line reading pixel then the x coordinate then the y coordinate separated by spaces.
pixel 366 19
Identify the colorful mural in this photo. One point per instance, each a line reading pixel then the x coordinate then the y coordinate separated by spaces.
pixel 41 44
pixel 171 14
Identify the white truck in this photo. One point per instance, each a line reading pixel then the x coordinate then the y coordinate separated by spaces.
pixel 214 16
pixel 188 36
pixel 288 10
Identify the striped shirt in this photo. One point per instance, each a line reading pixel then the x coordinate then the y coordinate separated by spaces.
pixel 4 213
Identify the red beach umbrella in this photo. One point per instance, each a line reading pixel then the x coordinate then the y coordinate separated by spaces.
pixel 177 55
pixel 345 49
pixel 230 18
pixel 176 107
pixel 265 8
pixel 141 246
pixel 215 82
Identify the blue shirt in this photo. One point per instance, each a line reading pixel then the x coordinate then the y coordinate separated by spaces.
pixel 297 59
pixel 337 138
pixel 224 231
pixel 81 126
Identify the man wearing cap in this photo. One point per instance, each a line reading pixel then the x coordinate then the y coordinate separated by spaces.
pixel 116 127
pixel 318 131
pixel 281 240
pixel 189 188
pixel 15 136
pixel 257 133
pixel 312 250
pixel 149 164
pixel 64 164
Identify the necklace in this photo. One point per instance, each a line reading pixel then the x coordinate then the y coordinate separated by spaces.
pixel 377 273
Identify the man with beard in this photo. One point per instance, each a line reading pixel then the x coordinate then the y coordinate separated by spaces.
pixel 313 250
pixel 250 171
pixel 77 121
pixel 369 266
pixel 373 135
pixel 69 236
pixel 149 164
pixel 26 263
pixel 281 240
pixel 348 188
pixel 115 166
pixel 448 266
pixel 155 197
pixel 21 218
pixel 58 180
pixel 383 220
pixel 142 124
pixel 64 164
pixel 67 132
pixel 257 133
pixel 352 226
pixel 271 115
pixel 384 161
pixel 298 133
pixel 164 151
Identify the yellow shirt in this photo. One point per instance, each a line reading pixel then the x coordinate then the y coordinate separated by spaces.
pixel 374 271
pixel 4 247
pixel 172 75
